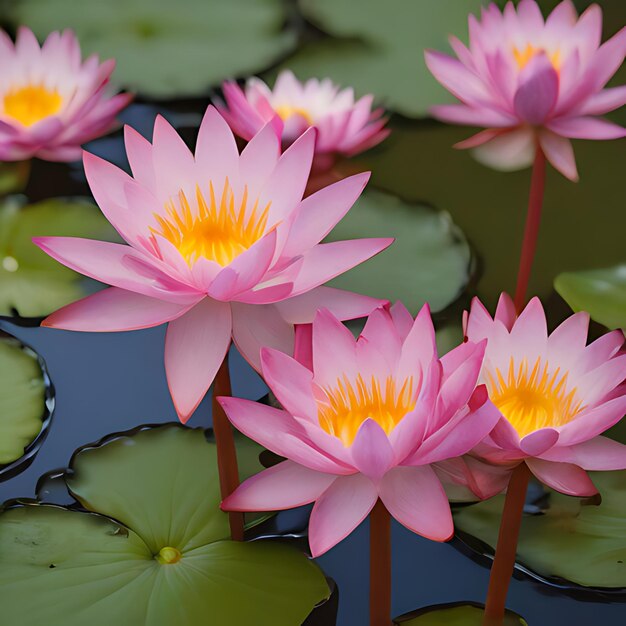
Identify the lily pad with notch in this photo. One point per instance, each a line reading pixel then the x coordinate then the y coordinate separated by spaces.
pixel 454 614
pixel 32 284
pixel 574 543
pixel 25 405
pixel 430 260
pixel 150 545
pixel 170 51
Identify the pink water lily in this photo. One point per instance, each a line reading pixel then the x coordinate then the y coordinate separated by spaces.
pixel 366 420
pixel 50 101
pixel 556 395
pixel 530 80
pixel 221 245
pixel 345 125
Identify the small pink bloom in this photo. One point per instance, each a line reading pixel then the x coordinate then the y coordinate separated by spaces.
pixel 50 101
pixel 344 126
pixel 530 80
pixel 366 420
pixel 221 245
pixel 556 394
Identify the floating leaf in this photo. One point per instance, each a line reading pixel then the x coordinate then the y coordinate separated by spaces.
pixel 454 615
pixel 573 540
pixel 602 293
pixel 31 282
pixel 169 50
pixel 382 47
pixel 428 262
pixel 22 400
pixel 160 556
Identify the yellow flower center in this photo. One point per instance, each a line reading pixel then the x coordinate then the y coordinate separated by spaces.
pixel 168 556
pixel 286 111
pixel 524 56
pixel 29 105
pixel 218 231
pixel 533 398
pixel 350 404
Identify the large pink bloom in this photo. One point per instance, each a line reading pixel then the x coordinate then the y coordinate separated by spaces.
pixel 365 421
pixel 221 245
pixel 528 80
pixel 345 126
pixel 50 101
pixel 556 395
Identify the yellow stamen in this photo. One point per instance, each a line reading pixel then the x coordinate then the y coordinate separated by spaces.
pixel 350 404
pixel 216 231
pixel 533 397
pixel 524 56
pixel 286 111
pixel 29 105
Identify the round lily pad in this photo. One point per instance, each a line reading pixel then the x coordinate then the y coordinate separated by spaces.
pixel 380 47
pixel 170 50
pixel 151 546
pixel 23 412
pixel 32 284
pixel 573 540
pixel 602 293
pixel 430 260
pixel 457 614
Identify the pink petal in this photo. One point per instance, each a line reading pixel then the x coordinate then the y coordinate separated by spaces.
pixel 139 153
pixel 110 263
pixel 245 271
pixel 508 151
pixel 258 159
pixel 537 442
pixel 303 348
pixel 563 477
pixel 586 128
pixel 603 348
pixel 290 381
pixel 483 480
pixel 113 310
pixel 416 498
pixel 505 311
pixel 195 346
pixel 479 322
pixel 260 325
pixel 470 116
pixel 594 422
pixel 216 156
pixel 344 305
pixel 568 340
pixel 597 454
pixel 419 348
pixel 402 319
pixel 380 332
pixel 560 153
pixel 538 90
pixel 319 212
pixel 327 260
pixel 371 451
pixel 279 432
pixel 283 486
pixel 604 101
pixel 340 509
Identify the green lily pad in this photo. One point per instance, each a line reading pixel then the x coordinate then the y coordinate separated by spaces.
pixel 573 541
pixel 381 50
pixel 22 400
pixel 457 614
pixel 165 50
pixel 602 293
pixel 31 282
pixel 418 163
pixel 428 262
pixel 156 552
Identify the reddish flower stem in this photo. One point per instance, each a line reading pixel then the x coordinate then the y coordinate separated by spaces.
pixel 531 231
pixel 226 451
pixel 380 566
pixel 504 560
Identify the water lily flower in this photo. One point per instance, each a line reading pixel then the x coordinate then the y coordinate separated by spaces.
pixel 345 126
pixel 221 245
pixel 555 393
pixel 50 101
pixel 365 421
pixel 532 81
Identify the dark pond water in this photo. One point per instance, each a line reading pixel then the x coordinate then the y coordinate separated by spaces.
pixel 106 383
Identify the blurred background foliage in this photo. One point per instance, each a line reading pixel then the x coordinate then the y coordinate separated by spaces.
pixel 175 55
